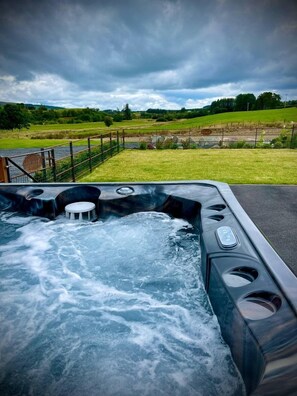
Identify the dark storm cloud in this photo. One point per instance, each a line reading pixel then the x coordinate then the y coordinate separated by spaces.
pixel 151 44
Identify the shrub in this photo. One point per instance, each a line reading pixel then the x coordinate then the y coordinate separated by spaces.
pixel 292 143
pixel 284 137
pixel 168 143
pixel 159 145
pixel 159 142
pixel 241 143
pixel 185 144
pixel 238 145
pixel 260 143
pixel 286 140
pixel 188 144
pixel 143 145
pixel 108 121
pixel 277 145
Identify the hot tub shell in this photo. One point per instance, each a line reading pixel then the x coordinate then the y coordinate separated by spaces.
pixel 252 291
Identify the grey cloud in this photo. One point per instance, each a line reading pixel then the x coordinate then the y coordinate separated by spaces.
pixel 150 44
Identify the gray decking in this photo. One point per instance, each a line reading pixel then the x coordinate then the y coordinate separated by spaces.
pixel 273 208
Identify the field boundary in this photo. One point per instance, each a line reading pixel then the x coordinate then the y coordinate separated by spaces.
pixel 216 137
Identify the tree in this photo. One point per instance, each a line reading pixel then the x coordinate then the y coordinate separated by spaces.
pixel 118 116
pixel 108 121
pixel 222 105
pixel 268 100
pixel 14 116
pixel 3 119
pixel 127 112
pixel 245 102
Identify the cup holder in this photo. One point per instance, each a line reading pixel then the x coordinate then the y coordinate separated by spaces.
pixel 240 276
pixel 34 193
pixel 217 207
pixel 259 305
pixel 216 217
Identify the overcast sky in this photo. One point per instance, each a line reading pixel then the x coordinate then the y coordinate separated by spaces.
pixel 148 53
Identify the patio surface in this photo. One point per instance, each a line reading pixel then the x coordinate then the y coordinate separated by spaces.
pixel 273 209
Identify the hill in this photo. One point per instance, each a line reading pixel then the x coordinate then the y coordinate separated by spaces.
pixel 275 117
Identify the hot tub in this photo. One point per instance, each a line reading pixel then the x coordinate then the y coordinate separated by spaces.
pixel 251 290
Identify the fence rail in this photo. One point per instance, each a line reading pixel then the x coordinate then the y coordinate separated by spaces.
pixel 217 137
pixel 61 163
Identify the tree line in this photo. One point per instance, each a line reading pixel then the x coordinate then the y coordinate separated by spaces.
pixel 17 116
pixel 248 101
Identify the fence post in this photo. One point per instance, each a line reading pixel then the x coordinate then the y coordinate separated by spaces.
pixel 102 154
pixel 72 162
pixel 53 164
pixel 4 171
pixel 222 144
pixel 123 138
pixel 110 144
pixel 292 136
pixel 118 142
pixel 90 154
pixel 256 137
pixel 43 164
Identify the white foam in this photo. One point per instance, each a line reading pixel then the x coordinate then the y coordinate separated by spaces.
pixel 107 308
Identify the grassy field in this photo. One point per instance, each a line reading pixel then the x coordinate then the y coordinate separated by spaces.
pixel 141 126
pixel 10 144
pixel 14 143
pixel 50 135
pixel 254 117
pixel 89 125
pixel 230 166
pixel 98 127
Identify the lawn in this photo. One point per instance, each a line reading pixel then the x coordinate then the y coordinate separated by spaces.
pixel 231 166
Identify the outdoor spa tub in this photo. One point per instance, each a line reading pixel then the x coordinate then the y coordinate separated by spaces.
pixel 252 292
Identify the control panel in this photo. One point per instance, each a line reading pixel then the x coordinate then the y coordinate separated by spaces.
pixel 226 237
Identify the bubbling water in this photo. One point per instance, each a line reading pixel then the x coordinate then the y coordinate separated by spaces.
pixel 107 308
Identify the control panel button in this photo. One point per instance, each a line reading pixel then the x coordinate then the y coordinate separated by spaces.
pixel 226 237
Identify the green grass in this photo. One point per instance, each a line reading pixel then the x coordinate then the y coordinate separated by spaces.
pixel 10 144
pixel 39 143
pixel 90 125
pixel 230 166
pixel 278 116
pixel 86 126
pixel 147 126
pixel 259 116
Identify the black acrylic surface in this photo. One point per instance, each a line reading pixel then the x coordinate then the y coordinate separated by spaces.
pixel 252 291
